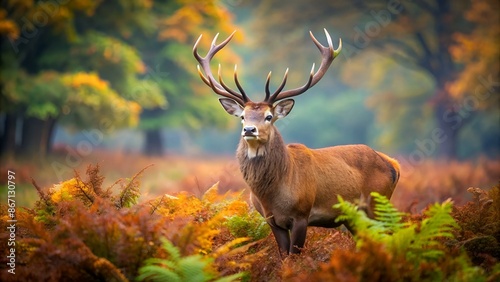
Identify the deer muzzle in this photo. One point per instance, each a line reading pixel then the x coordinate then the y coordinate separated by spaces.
pixel 250 132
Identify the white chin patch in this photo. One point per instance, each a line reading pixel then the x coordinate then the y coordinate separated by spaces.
pixel 248 138
pixel 255 148
pixel 256 151
pixel 252 153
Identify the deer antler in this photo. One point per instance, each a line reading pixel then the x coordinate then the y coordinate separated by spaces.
pixel 219 88
pixel 328 54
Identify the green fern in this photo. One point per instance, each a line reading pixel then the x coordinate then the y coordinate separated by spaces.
pixel 249 225
pixel 438 224
pixel 417 243
pixel 129 193
pixel 387 219
pixel 194 268
pixel 387 215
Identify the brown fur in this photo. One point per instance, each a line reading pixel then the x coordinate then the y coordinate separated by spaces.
pixel 297 186
pixel 294 186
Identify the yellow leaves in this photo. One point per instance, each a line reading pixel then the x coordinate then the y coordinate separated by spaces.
pixel 478 51
pixel 114 52
pixel 237 208
pixel 32 15
pixel 227 248
pixel 88 7
pixel 208 213
pixel 66 190
pixel 107 54
pixel 7 26
pixel 135 111
pixel 193 18
pixel 483 11
pixel 181 205
pixel 211 194
pixel 89 79
pixel 88 92
pixel 184 204
pixel 148 3
pixel 236 257
pixel 177 24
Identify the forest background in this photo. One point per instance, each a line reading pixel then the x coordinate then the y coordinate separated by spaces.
pixel 97 81
pixel 111 143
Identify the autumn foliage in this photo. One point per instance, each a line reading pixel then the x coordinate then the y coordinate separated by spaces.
pixel 81 230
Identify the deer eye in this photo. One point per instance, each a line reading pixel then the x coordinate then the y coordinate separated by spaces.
pixel 269 117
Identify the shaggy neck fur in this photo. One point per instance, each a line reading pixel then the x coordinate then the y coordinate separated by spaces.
pixel 264 167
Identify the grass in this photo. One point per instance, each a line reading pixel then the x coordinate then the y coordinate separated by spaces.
pixel 168 174
pixel 432 181
pixel 331 249
pixel 25 195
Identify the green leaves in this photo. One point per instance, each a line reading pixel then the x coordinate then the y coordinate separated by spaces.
pixel 417 242
pixel 388 217
pixel 248 225
pixel 439 224
pixel 88 93
pixel 193 268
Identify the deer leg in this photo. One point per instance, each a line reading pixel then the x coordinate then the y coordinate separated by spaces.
pixel 282 237
pixel 298 236
pixel 350 228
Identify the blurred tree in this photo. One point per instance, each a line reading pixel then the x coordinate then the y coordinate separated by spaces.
pixel 98 64
pixel 475 91
pixel 168 56
pixel 54 69
pixel 426 37
pixel 335 124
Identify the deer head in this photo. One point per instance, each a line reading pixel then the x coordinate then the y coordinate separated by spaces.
pixel 293 186
pixel 258 117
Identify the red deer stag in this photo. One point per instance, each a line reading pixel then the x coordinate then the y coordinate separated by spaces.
pixel 293 186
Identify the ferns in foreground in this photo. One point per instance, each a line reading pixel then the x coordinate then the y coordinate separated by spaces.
pixel 404 251
pixel 417 242
pixel 191 268
pixel 250 225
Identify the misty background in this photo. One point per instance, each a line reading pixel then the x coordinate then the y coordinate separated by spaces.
pixel 417 79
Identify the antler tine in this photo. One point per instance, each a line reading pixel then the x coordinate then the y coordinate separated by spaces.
pixel 244 97
pixel 328 54
pixel 237 82
pixel 278 90
pixel 219 74
pixel 204 62
pixel 268 93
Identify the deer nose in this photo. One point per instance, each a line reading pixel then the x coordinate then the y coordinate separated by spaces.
pixel 249 130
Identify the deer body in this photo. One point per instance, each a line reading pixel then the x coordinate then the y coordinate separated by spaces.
pixel 311 192
pixel 293 186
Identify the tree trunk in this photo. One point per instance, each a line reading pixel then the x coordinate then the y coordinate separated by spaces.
pixel 36 137
pixel 444 70
pixel 8 140
pixel 31 137
pixel 153 145
pixel 449 123
pixel 47 136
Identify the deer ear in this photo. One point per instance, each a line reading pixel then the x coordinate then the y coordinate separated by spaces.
pixel 231 106
pixel 283 108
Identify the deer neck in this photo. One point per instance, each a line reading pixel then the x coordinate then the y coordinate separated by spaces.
pixel 264 166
